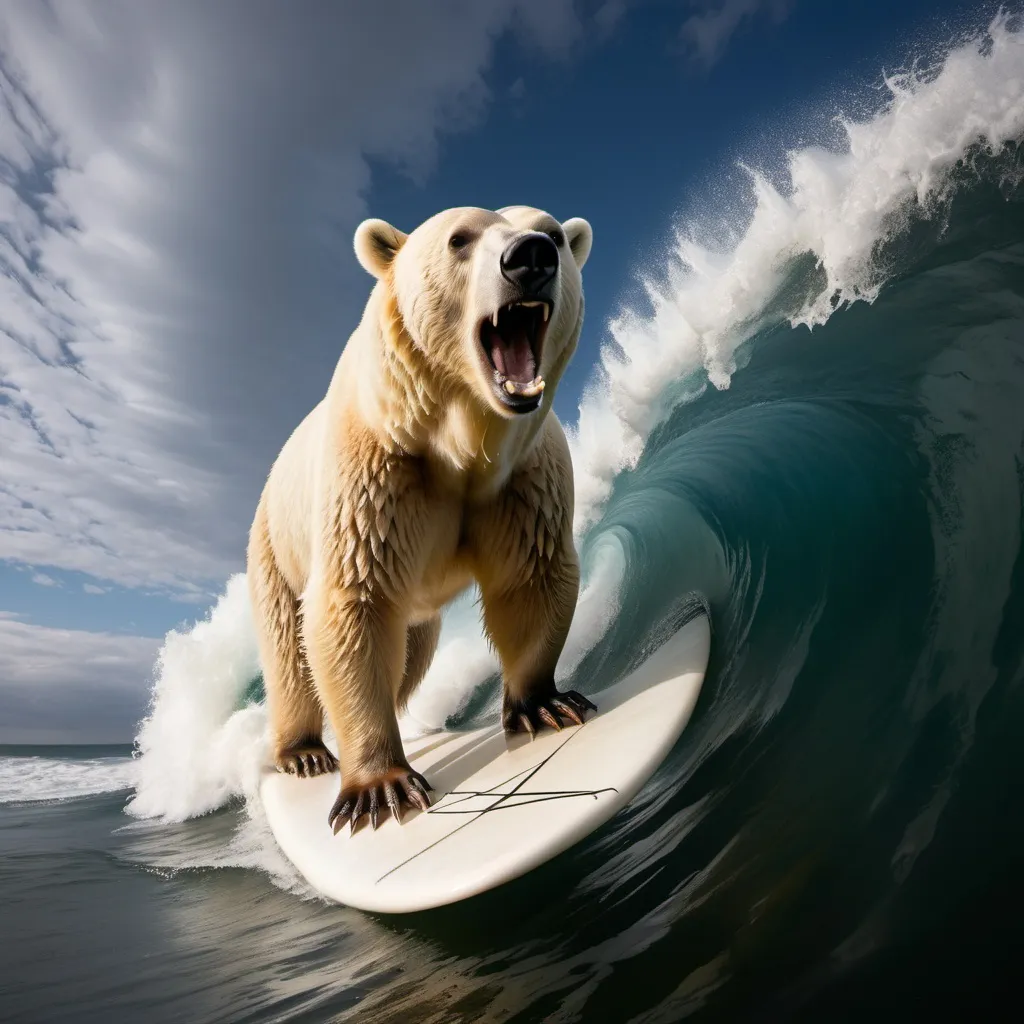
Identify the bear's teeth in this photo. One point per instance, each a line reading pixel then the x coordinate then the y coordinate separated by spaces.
pixel 495 319
pixel 545 308
pixel 535 387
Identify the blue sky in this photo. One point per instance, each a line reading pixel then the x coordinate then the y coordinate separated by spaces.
pixel 180 184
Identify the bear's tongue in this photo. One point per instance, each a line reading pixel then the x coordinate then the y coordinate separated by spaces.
pixel 512 354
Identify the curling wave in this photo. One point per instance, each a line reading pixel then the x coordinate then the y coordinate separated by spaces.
pixel 820 426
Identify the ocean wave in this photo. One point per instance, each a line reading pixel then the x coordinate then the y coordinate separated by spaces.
pixel 197 750
pixel 717 288
pixel 771 502
pixel 46 780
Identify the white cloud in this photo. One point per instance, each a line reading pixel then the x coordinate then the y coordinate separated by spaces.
pixel 707 33
pixel 42 580
pixel 609 14
pixel 178 188
pixel 65 685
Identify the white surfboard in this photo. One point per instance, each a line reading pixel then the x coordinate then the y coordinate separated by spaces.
pixel 500 805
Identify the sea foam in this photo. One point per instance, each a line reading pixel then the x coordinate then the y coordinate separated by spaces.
pixel 53 779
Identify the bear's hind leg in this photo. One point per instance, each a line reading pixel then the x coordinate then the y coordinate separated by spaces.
pixel 301 717
pixel 420 646
pixel 296 717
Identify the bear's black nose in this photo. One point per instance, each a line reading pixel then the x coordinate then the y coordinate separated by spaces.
pixel 530 261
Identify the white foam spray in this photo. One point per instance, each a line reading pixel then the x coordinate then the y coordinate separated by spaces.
pixel 837 206
pixel 199 750
pixel 53 779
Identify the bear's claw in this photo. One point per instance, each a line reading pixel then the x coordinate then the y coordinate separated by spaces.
pixel 395 787
pixel 306 761
pixel 528 714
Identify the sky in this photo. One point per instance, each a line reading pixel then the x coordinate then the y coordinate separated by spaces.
pixel 179 187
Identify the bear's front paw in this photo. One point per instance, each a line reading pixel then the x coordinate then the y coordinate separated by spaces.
pixel 307 760
pixel 386 792
pixel 532 713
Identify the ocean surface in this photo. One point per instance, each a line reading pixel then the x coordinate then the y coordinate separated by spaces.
pixel 815 417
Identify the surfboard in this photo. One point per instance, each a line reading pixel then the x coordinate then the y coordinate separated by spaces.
pixel 501 805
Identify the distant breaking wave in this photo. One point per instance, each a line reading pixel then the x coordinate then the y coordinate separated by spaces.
pixel 46 780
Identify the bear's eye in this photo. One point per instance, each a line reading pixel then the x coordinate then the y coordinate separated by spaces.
pixel 458 241
pixel 557 237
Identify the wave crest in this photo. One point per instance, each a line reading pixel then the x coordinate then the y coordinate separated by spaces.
pixel 836 210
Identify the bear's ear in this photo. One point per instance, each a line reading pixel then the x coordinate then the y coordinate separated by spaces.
pixel 580 237
pixel 377 244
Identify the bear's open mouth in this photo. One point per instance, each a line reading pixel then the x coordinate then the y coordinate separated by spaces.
pixel 513 339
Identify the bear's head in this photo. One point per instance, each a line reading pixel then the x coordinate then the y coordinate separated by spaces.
pixel 492 299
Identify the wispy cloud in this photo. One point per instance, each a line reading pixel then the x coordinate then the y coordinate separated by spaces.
pixel 707 34
pixel 609 14
pixel 178 187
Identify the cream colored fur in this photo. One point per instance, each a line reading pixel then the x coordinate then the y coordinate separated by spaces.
pixel 405 484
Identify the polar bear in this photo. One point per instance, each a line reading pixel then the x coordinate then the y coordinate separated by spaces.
pixel 434 461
